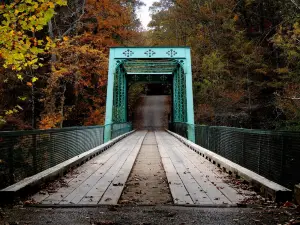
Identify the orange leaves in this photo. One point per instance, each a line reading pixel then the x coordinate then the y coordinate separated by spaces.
pixel 82 70
pixel 96 117
pixel 236 17
pixel 204 112
pixel 65 38
pixel 234 96
pixel 79 75
pixel 112 18
pixel 51 5
pixel 50 121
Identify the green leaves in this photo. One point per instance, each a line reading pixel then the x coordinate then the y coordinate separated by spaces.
pixel 22 98
pixel 34 79
pixel 20 77
pixel 18 48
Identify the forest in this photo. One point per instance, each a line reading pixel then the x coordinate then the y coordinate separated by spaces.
pixel 54 59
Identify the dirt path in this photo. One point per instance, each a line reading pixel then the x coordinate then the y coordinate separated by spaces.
pixel 147 183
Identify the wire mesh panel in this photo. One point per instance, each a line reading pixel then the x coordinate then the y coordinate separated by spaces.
pixel 272 154
pixel 120 128
pixel 25 153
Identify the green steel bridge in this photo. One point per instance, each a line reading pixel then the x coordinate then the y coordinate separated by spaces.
pixel 150 65
pixel 198 162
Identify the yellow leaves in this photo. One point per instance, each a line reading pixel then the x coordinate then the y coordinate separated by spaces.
pixel 32 61
pixel 261 71
pixel 20 77
pixel 15 41
pixel 65 38
pixel 34 79
pixel 22 98
pixel 9 112
pixel 282 70
pixel 51 5
pixel 296 27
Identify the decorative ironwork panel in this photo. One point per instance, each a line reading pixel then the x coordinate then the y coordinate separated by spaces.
pixel 179 95
pixel 128 53
pixel 150 53
pixel 171 53
pixel 119 100
pixel 149 78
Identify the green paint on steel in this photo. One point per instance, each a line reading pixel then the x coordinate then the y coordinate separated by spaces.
pixel 128 65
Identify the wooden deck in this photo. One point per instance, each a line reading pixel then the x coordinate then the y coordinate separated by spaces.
pixel 191 178
pixel 100 180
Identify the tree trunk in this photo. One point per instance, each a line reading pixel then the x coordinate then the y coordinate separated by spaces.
pixel 62 104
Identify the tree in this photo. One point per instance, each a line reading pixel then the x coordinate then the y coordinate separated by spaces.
pixel 76 90
pixel 21 45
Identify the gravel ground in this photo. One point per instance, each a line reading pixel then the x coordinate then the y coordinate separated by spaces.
pixel 146 215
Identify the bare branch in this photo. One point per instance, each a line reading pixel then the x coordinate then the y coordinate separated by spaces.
pixel 295 3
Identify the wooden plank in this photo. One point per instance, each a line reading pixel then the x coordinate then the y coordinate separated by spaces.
pixel 209 166
pixel 179 193
pixel 39 197
pixel 108 197
pixel 217 190
pixel 92 181
pixel 102 185
pixel 84 172
pixel 194 189
pixel 80 191
pixel 230 193
pixel 209 190
pixel 211 181
pixel 115 189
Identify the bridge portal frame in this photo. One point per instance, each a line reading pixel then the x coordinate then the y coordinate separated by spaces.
pixel 181 76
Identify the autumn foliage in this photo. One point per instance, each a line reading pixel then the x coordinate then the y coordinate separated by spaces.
pixel 60 59
pixel 54 58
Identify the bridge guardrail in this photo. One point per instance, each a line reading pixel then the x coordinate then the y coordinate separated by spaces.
pixel 25 153
pixel 271 154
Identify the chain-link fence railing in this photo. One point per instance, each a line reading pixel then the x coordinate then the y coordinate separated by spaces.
pixel 272 154
pixel 120 128
pixel 25 153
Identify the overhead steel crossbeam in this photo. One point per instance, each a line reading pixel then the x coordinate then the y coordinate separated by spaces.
pixel 150 67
